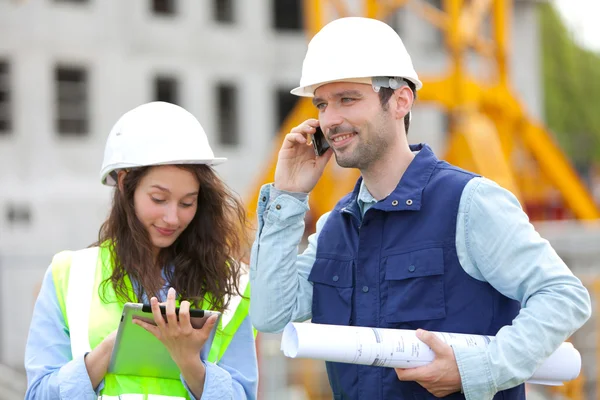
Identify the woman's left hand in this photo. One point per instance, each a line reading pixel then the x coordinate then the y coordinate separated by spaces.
pixel 179 337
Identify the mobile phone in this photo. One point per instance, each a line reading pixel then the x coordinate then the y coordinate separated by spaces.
pixel 319 143
pixel 194 313
pixel 197 317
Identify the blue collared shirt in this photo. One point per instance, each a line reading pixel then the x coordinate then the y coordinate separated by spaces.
pixel 52 374
pixel 495 243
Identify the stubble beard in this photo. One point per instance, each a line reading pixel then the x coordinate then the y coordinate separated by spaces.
pixel 365 153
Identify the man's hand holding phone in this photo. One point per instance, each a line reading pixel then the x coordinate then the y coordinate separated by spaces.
pixel 298 167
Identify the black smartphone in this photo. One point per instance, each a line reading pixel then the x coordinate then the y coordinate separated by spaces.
pixel 194 313
pixel 319 143
pixel 197 317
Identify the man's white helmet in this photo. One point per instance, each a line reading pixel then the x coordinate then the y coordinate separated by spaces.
pixel 354 49
pixel 155 133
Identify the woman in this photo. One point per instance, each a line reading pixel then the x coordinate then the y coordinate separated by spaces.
pixel 175 234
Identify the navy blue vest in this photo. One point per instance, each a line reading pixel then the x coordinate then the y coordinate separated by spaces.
pixel 397 267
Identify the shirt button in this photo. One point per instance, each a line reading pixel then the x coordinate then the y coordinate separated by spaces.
pixel 411 268
pixel 278 206
pixel 336 278
pixel 395 202
pixel 409 202
pixel 365 289
pixel 264 198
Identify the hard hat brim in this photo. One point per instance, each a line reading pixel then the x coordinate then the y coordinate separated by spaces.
pixel 309 90
pixel 106 179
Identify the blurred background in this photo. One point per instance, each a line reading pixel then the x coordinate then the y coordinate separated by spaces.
pixel 511 90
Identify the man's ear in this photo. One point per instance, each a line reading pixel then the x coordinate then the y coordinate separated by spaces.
pixel 402 101
pixel 120 178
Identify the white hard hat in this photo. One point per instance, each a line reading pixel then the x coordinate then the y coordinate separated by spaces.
pixel 153 134
pixel 353 49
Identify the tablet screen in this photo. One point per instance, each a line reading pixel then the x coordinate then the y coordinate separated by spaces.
pixel 137 352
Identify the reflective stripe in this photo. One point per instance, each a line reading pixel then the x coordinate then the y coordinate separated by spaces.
pixel 79 299
pixel 235 300
pixel 133 396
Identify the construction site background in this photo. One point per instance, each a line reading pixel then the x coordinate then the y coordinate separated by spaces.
pixel 507 93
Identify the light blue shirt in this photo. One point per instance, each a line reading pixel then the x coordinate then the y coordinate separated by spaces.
pixel 495 243
pixel 52 374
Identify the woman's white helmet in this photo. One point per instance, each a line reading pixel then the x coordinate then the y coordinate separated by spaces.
pixel 156 133
pixel 354 49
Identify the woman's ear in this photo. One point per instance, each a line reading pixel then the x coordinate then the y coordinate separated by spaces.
pixel 403 101
pixel 120 178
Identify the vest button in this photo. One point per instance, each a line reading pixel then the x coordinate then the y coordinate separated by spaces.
pixel 395 202
pixel 336 278
pixel 411 268
pixel 365 289
pixel 264 198
pixel 409 202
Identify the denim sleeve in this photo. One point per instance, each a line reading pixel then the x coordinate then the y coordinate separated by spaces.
pixel 51 373
pixel 274 193
pixel 236 374
pixel 497 244
pixel 281 291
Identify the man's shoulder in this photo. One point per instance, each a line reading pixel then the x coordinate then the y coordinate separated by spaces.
pixel 447 175
pixel 451 170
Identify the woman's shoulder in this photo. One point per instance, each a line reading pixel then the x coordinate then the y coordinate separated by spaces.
pixel 62 261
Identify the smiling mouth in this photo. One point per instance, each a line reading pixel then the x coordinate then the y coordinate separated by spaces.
pixel 342 137
pixel 165 232
pixel 340 141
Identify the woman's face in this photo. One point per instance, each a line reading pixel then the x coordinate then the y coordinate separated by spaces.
pixel 165 201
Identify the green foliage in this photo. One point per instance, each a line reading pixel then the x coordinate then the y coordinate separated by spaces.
pixel 571 78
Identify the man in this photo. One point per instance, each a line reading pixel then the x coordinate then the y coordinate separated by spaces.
pixel 419 244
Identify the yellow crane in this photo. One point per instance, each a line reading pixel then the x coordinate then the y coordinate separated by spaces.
pixel 488 123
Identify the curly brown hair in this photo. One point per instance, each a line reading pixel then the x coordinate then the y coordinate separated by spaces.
pixel 206 256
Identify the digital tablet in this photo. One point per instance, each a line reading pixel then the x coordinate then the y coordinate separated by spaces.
pixel 137 352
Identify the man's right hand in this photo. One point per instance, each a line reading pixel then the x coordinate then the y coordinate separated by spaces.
pixel 298 168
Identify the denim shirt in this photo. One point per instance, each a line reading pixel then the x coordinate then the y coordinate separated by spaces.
pixel 495 243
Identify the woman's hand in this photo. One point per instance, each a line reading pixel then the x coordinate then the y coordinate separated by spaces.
pixel 183 342
pixel 96 361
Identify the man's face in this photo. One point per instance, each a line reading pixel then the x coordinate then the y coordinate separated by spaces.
pixel 355 124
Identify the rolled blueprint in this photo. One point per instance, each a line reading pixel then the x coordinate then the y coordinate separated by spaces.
pixel 400 348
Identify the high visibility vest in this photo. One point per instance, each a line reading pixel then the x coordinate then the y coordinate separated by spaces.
pixel 77 278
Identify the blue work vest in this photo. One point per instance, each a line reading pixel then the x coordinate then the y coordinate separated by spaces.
pixel 397 267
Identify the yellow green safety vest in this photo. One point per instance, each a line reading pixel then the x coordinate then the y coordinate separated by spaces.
pixel 77 277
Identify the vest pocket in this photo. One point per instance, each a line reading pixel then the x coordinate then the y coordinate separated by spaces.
pixel 332 291
pixel 415 286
